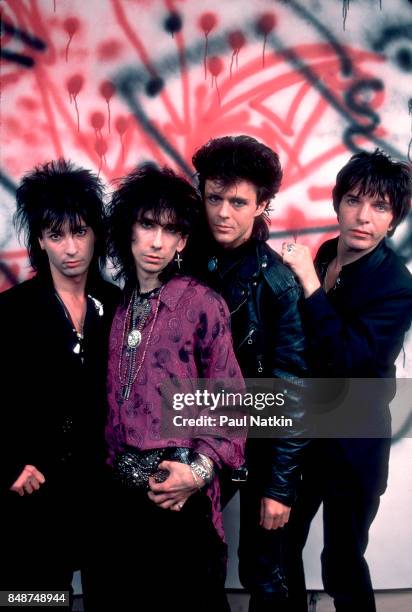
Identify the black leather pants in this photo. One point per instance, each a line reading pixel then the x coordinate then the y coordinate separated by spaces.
pixel 261 567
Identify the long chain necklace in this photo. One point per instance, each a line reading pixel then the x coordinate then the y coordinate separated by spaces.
pixel 77 329
pixel 137 314
pixel 325 280
pixel 331 269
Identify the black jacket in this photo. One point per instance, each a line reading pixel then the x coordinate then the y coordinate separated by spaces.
pixel 357 331
pixel 263 299
pixel 53 405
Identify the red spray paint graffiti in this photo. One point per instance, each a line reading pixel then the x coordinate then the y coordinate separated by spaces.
pixel 266 96
pixel 71 25
pixel 236 40
pixel 207 22
pixel 107 90
pixel 265 26
pixel 74 86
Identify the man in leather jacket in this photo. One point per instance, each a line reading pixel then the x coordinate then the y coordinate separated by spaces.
pixel 238 177
pixel 357 309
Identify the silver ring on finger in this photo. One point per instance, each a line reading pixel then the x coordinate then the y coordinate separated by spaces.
pixel 290 248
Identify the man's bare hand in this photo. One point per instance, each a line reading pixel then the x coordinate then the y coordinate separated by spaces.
pixel 176 489
pixel 29 480
pixel 273 514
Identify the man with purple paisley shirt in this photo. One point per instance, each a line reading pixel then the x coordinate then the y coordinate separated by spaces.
pixel 169 327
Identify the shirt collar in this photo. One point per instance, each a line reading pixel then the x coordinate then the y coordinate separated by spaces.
pixel 365 263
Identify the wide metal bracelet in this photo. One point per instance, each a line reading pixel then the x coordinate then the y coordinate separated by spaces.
pixel 203 467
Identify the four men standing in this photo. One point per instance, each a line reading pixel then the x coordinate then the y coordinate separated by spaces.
pixel 346 317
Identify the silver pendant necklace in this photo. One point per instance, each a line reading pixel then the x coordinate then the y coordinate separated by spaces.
pixel 136 317
pixel 134 338
pixel 139 315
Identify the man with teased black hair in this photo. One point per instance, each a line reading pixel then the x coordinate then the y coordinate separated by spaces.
pixel 168 332
pixel 54 332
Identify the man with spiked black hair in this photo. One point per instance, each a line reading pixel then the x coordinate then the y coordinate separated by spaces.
pixel 54 330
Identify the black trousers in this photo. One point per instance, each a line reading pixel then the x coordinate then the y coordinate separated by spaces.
pixel 46 536
pixel 261 552
pixel 347 515
pixel 40 542
pixel 157 559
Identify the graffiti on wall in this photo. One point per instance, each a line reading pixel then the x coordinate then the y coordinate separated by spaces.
pixel 110 83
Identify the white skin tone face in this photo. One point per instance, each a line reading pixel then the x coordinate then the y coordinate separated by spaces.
pixel 231 211
pixel 154 246
pixel 364 221
pixel 69 252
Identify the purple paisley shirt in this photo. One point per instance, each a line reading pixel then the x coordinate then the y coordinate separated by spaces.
pixel 190 339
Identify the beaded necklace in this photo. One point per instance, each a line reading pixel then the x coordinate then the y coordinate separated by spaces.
pixel 137 314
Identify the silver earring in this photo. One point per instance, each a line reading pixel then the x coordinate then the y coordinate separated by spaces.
pixel 178 260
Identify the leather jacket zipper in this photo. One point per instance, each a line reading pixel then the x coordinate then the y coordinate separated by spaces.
pixel 248 338
pixel 237 307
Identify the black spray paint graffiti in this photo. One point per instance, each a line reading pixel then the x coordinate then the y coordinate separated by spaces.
pixel 8 274
pixel 7 183
pixel 345 10
pixel 35 43
pixel 410 142
pixel 131 82
pixel 5 270
pixel 393 34
pixel 134 81
pixel 388 34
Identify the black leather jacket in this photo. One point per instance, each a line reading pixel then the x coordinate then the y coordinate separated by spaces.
pixel 263 299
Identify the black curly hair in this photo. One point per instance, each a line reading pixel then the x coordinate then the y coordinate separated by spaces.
pixel 148 189
pixel 230 159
